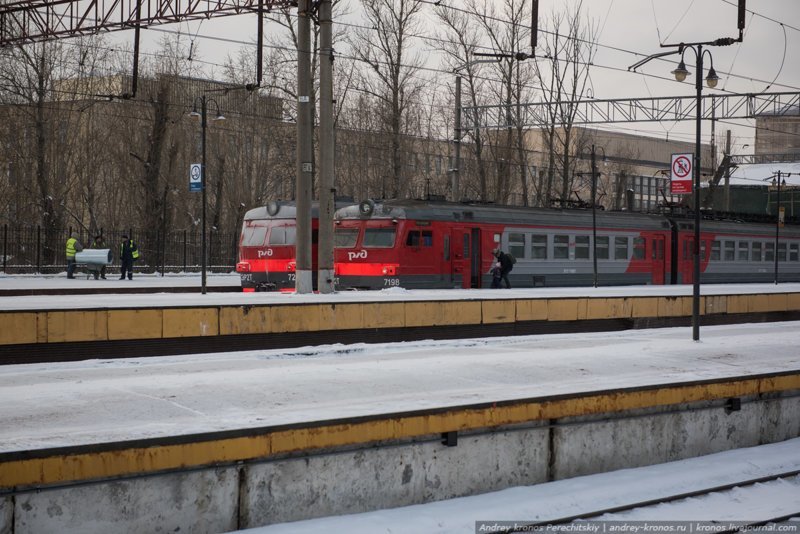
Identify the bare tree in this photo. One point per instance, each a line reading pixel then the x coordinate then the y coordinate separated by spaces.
pixel 38 131
pixel 459 39
pixel 563 77
pixel 505 25
pixel 393 78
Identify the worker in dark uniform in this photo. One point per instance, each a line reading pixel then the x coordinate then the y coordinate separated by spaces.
pixel 128 253
pixel 99 242
pixel 506 264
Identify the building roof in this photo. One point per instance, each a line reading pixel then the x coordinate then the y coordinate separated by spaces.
pixel 762 174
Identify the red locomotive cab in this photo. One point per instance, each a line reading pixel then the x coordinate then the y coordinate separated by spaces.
pixel 267 248
pixel 365 254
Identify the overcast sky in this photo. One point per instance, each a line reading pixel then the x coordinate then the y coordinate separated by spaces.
pixel 767 60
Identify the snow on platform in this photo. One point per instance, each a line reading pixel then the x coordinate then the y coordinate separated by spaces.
pixel 112 300
pixel 95 401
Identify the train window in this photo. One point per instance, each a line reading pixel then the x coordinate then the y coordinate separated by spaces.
pixel 703 248
pixel 516 245
pixel 417 238
pixel 769 251
pixel 658 249
pixel 282 235
pixel 447 248
pixel 638 248
pixel 781 251
pixel 743 251
pixel 793 251
pixel 561 247
pixel 757 251
pixel 602 247
pixel 730 251
pixel 345 237
pixel 539 247
pixel 379 237
pixel 620 248
pixel 254 236
pixel 715 246
pixel 581 247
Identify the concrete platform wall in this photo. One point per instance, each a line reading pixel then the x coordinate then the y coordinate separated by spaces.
pixel 58 326
pixel 352 481
pixel 597 445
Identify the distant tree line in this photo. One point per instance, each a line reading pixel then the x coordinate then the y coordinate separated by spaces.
pixel 76 153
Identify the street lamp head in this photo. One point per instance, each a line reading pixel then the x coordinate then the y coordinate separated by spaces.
pixel 195 114
pixel 219 117
pixel 680 73
pixel 712 79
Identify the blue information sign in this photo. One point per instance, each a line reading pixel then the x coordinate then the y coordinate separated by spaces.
pixel 195 178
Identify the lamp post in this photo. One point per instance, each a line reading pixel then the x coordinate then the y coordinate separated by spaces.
pixel 680 74
pixel 594 211
pixel 712 79
pixel 778 182
pixel 202 115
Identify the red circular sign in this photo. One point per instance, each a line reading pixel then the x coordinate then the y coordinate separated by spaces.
pixel 681 167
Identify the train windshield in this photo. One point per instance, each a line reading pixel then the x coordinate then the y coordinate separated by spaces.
pixel 254 234
pixel 379 237
pixel 345 237
pixel 282 235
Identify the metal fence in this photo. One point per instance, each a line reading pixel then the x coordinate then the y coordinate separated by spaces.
pixel 31 249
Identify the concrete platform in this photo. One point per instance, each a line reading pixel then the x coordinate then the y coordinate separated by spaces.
pixel 429 386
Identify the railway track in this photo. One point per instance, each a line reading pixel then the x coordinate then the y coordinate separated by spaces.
pixel 717 527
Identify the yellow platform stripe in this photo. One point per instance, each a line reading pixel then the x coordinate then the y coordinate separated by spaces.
pixel 52 326
pixel 63 468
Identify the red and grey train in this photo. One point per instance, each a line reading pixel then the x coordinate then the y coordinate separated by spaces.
pixel 267 246
pixel 430 244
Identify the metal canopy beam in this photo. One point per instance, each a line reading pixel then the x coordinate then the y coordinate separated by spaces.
pixel 670 108
pixel 41 20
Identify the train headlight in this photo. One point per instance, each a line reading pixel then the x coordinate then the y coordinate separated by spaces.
pixel 243 267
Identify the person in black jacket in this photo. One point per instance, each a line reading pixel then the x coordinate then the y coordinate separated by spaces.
pixel 128 252
pixel 505 265
pixel 99 243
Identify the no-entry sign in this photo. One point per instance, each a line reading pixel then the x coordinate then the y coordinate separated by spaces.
pixel 681 174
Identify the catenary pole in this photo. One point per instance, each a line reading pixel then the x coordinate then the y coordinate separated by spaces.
pixel 325 273
pixel 305 170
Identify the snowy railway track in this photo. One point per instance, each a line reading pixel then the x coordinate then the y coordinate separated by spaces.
pixel 672 507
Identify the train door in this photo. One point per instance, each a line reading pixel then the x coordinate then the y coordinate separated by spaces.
pixel 475 259
pixel 465 257
pixel 459 254
pixel 658 259
pixel 687 263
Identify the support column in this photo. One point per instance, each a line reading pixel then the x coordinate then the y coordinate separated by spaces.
pixel 327 191
pixel 305 166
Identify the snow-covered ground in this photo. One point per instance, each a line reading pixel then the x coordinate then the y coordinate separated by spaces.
pixel 50 405
pixel 112 300
pixel 566 498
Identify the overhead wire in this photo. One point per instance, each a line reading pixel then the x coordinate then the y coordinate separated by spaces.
pixel 595 43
